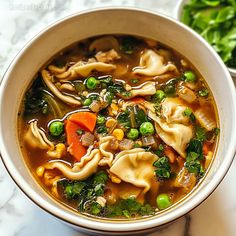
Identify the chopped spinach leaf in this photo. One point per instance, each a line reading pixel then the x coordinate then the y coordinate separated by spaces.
pixel 140 115
pixel 124 119
pixel 188 112
pixel 160 150
pixel 163 170
pixel 108 97
pixel 195 145
pixel 129 208
pixel 170 87
pixel 200 133
pixel 129 44
pixel 34 99
pixel 102 129
pixel 105 79
pixel 85 192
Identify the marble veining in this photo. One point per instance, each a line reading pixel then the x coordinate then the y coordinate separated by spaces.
pixel 20 20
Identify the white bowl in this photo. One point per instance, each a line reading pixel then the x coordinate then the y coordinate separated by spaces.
pixel 178 14
pixel 115 21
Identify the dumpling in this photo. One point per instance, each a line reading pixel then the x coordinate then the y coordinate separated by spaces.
pixel 176 135
pixel 86 69
pixel 146 89
pixel 107 157
pixel 36 138
pixel 78 172
pixel 136 167
pixel 65 98
pixel 173 110
pixel 152 64
pixel 104 44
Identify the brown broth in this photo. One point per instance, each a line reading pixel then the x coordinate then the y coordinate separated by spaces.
pixel 37 157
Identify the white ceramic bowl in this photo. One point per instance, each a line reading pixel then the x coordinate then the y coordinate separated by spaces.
pixel 115 21
pixel 178 14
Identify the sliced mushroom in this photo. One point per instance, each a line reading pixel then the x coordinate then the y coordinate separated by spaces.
pixel 152 64
pixel 65 98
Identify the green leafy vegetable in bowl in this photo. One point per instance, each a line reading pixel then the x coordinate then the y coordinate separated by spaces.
pixel 215 21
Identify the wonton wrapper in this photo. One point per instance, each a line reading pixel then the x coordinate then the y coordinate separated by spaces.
pixel 136 167
pixel 173 111
pixel 82 68
pixel 104 43
pixel 107 157
pixel 152 64
pixel 36 138
pixel 47 78
pixel 148 88
pixel 173 134
pixel 78 172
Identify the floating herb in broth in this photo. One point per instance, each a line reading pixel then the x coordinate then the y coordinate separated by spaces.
pixel 118 127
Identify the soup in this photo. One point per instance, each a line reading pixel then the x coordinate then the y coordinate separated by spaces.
pixel 118 127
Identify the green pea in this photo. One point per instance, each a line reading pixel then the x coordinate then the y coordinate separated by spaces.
pixel 101 120
pixel 87 101
pixel 56 128
pixel 132 134
pixel 91 83
pixel 163 201
pixel 190 76
pixel 146 128
pixel 159 95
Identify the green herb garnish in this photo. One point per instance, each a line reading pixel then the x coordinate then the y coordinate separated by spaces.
pixel 163 168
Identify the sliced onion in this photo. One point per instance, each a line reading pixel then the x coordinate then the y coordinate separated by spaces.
pixel 126 144
pixel 95 106
pixel 205 121
pixel 87 139
pixel 148 140
pixel 187 94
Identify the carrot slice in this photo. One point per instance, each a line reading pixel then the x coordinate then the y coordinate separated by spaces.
pixel 137 100
pixel 205 148
pixel 76 149
pixel 85 119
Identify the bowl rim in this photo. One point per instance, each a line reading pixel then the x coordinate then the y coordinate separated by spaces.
pixel 89 224
pixel 177 15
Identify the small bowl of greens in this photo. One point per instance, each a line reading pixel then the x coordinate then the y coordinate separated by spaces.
pixel 215 21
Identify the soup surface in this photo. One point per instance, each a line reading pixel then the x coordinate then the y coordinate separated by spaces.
pixel 118 127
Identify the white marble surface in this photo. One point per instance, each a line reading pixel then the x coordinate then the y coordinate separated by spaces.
pixel 19 21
